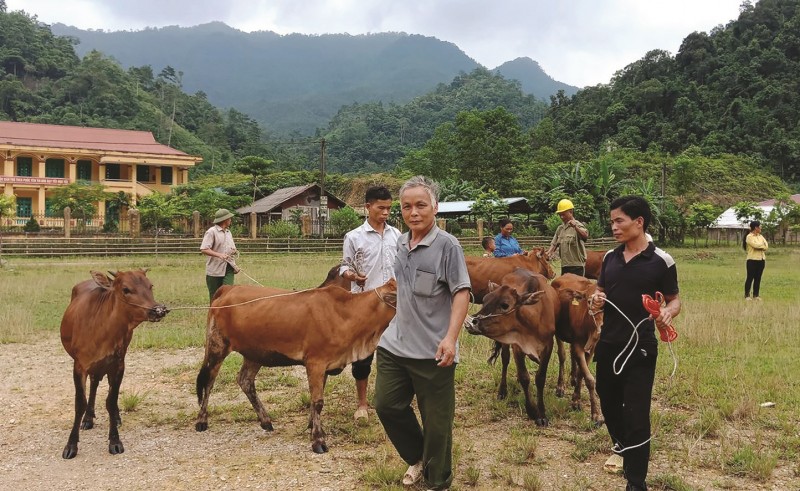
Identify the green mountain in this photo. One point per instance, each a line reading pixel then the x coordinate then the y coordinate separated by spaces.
pixel 295 83
pixel 532 78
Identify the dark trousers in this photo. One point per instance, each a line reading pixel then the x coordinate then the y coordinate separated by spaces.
pixel 362 368
pixel 397 381
pixel 625 402
pixel 578 270
pixel 214 282
pixel 755 268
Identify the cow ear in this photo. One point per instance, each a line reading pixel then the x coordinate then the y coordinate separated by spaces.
pixel 145 270
pixel 101 279
pixel 492 286
pixel 531 298
pixel 390 298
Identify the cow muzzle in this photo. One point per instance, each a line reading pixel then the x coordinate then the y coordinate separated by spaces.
pixel 157 313
pixel 471 325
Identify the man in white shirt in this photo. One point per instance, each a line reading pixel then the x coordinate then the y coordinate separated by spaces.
pixel 219 247
pixel 368 262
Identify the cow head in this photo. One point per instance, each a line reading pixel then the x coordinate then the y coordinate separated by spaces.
pixel 495 320
pixel 135 290
pixel 540 255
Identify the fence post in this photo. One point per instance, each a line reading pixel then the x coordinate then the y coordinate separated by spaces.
pixel 305 224
pixel 67 218
pixel 133 216
pixel 479 226
pixel 196 224
pixel 253 225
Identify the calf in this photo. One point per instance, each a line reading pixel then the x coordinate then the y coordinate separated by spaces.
pixel 594 263
pixel 482 270
pixel 522 311
pixel 580 326
pixel 323 329
pixel 95 330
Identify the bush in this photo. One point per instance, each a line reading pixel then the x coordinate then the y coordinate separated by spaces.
pixel 453 227
pixel 552 222
pixel 281 229
pixel 345 220
pixel 31 225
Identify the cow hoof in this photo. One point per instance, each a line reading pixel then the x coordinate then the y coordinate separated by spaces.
pixel 576 406
pixel 501 396
pixel 70 451
pixel 87 424
pixel 115 448
pixel 267 426
pixel 542 422
pixel 598 423
pixel 319 447
pixel 201 426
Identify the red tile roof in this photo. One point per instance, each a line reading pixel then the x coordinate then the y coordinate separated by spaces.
pixel 78 137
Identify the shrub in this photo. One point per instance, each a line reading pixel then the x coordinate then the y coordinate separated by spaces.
pixel 31 225
pixel 281 229
pixel 345 220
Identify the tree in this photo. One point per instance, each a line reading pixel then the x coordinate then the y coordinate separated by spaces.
pixel 254 167
pixel 345 220
pixel 81 198
pixel 488 204
pixel 8 207
pixel 701 216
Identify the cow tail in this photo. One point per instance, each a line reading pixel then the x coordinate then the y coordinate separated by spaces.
pixel 495 352
pixel 205 370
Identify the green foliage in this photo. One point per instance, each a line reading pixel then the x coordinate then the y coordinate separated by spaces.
pixel 80 197
pixel 31 225
pixel 345 220
pixel 8 205
pixel 488 205
pixel 157 210
pixel 747 211
pixel 255 167
pixel 281 229
pixel 701 216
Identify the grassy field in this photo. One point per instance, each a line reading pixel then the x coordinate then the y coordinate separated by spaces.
pixel 733 356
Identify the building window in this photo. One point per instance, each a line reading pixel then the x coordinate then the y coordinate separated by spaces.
pixel 24 207
pixel 24 166
pixel 54 168
pixel 143 173
pixel 84 170
pixel 112 172
pixel 166 175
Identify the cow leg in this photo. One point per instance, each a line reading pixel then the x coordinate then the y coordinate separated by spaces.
pixel 561 387
pixel 88 418
pixel 524 379
pixel 311 413
pixel 247 381
pixel 576 375
pixel 112 406
pixel 505 358
pixel 316 385
pixel 217 349
pixel 71 449
pixel 597 415
pixel 541 379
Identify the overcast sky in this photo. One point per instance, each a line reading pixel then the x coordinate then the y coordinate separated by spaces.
pixel 579 42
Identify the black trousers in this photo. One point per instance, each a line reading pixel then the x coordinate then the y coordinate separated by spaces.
pixel 625 402
pixel 578 270
pixel 755 268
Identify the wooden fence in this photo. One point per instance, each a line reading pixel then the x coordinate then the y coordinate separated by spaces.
pixel 123 246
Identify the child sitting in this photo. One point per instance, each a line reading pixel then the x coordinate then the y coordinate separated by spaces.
pixel 488 246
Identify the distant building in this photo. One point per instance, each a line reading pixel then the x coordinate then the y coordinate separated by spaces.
pixel 42 157
pixel 279 205
pixel 728 220
pixel 456 209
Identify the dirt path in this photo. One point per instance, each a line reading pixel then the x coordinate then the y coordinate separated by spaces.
pixel 163 451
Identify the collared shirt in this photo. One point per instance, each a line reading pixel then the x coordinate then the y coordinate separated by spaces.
pixel 505 247
pixel 571 246
pixel 624 283
pixel 427 278
pixel 219 240
pixel 756 247
pixel 375 253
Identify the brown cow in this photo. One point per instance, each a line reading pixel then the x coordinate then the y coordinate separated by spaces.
pixel 594 263
pixel 522 311
pixel 334 279
pixel 323 329
pixel 580 326
pixel 96 330
pixel 482 270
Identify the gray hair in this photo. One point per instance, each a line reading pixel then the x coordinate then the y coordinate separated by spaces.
pixel 430 186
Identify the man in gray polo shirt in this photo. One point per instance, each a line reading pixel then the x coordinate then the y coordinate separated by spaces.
pixel 418 351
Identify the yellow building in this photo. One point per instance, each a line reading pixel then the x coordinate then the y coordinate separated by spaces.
pixel 42 157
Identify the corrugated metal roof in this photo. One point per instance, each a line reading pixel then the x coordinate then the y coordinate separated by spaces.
pixel 466 206
pixel 276 199
pixel 728 218
pixel 78 137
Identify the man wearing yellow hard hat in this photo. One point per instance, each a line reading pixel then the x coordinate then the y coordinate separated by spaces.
pixel 570 240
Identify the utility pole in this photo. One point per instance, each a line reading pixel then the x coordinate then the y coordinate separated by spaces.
pixel 323 199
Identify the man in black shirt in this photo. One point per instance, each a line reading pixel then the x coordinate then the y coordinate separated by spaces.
pixel 626 362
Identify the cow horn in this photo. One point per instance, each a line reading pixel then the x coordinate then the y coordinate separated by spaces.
pixel 113 273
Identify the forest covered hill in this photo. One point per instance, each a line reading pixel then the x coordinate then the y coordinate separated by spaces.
pixel 295 83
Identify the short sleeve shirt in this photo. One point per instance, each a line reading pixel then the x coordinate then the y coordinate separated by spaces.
pixel 571 247
pixel 376 253
pixel 427 278
pixel 624 284
pixel 218 240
